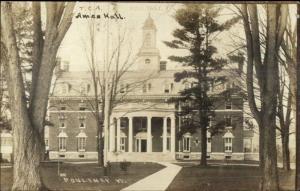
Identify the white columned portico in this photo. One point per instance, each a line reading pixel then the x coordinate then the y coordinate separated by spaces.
pixel 130 137
pixel 165 134
pixel 118 133
pixel 149 135
pixel 112 135
pixel 172 133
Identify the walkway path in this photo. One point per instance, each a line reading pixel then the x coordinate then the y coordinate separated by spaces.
pixel 158 181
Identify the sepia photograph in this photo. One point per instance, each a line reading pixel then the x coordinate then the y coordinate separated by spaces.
pixel 149 96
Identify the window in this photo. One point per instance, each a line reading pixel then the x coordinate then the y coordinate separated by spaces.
pixel 147 61
pixel 69 87
pixel 149 87
pixel 167 90
pixel 82 89
pixel 208 140
pixel 81 143
pixel 228 104
pixel 82 107
pixel 228 121
pixel 88 88
pixel 122 89
pixel 122 143
pixel 228 144
pixel 63 108
pixel 168 125
pixel 186 144
pixel 144 88
pixel 168 143
pixel 62 143
pixel 82 124
pixel 171 86
pixel 64 88
pixel 62 125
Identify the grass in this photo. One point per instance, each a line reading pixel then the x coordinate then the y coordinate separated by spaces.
pixel 86 172
pixel 225 178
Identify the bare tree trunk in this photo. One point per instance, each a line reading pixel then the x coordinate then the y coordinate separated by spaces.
pixel 270 176
pixel 28 123
pixel 261 147
pixel 268 77
pixel 26 174
pixel 285 151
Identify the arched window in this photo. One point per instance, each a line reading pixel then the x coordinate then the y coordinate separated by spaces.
pixel 228 137
pixel 186 142
pixel 147 61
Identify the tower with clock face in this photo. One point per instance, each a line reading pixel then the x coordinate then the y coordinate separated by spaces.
pixel 148 56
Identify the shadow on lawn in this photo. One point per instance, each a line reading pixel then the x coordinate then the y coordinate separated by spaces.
pixel 225 178
pixel 86 177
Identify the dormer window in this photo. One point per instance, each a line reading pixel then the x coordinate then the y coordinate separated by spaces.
pixel 167 89
pixel 122 89
pixel 64 88
pixel 228 120
pixel 62 125
pixel 82 89
pixel 82 125
pixel 228 104
pixel 147 61
pixel 88 88
pixel 171 87
pixel 144 88
pixel 82 107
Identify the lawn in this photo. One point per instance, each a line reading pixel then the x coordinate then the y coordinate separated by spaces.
pixel 225 178
pixel 79 177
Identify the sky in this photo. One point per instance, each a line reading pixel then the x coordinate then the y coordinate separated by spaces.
pixel 74 46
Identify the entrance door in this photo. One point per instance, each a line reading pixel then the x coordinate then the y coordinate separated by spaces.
pixel 143 145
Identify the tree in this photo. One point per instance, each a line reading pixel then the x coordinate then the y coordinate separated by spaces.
pixel 199 25
pixel 267 74
pixel 284 110
pixel 28 119
pixel 118 61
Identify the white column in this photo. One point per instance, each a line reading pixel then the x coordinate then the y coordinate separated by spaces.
pixel 130 138
pixel 173 134
pixel 165 135
pixel 118 133
pixel 149 135
pixel 112 135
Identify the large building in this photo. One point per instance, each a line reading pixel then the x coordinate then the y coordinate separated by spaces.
pixel 144 125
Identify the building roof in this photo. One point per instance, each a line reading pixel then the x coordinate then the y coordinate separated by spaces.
pixel 62 134
pixel 82 134
pixel 228 134
pixel 149 23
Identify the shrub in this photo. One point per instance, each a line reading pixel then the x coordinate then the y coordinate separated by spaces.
pixel 124 165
